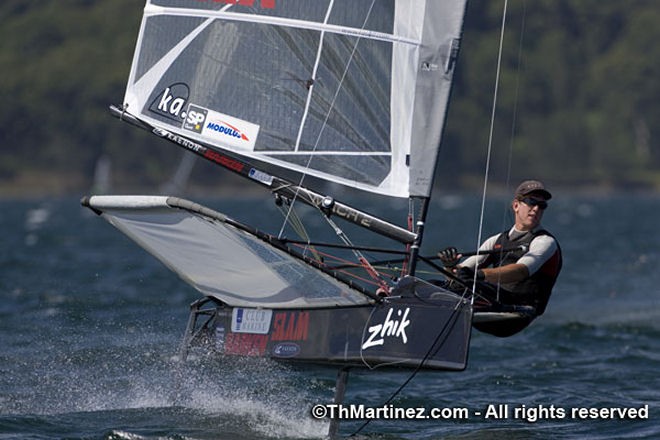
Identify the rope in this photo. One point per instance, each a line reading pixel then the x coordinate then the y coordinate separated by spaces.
pixel 374 271
pixel 359 255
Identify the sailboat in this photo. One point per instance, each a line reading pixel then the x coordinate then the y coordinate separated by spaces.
pixel 354 93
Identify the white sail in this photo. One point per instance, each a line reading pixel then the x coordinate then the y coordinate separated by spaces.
pixel 353 92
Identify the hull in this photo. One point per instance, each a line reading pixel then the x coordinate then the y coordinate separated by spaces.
pixel 263 299
pixel 412 330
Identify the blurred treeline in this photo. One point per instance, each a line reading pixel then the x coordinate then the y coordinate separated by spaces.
pixel 579 93
pixel 578 103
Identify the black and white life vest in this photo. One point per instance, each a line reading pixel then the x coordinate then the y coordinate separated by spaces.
pixel 535 290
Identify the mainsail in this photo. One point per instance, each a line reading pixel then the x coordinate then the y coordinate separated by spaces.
pixel 354 92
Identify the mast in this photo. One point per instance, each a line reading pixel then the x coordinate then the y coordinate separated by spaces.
pixel 417 243
pixel 443 86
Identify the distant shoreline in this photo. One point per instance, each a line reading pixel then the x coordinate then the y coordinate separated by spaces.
pixel 34 184
pixel 33 192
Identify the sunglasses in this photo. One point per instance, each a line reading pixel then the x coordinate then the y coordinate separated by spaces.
pixel 542 204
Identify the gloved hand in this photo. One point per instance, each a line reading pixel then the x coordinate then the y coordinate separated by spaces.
pixel 449 256
pixel 466 275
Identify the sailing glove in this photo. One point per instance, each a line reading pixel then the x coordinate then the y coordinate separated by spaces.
pixel 466 275
pixel 449 257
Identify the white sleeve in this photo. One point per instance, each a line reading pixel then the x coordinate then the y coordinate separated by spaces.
pixel 540 250
pixel 474 261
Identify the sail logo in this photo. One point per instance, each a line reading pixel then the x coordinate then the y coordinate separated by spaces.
pixel 171 102
pixel 195 118
pixel 390 328
pixel 228 129
pixel 225 130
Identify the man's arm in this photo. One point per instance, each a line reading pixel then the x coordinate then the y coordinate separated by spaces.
pixel 540 250
pixel 511 273
pixel 474 261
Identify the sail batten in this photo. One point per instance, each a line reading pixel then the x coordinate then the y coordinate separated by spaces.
pixel 286 22
pixel 310 83
pixel 351 92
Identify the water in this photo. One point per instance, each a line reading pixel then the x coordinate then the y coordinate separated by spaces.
pixel 90 327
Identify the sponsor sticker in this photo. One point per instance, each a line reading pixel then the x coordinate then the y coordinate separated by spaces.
pixel 290 326
pixel 286 350
pixel 220 128
pixel 393 327
pixel 230 131
pixel 195 118
pixel 255 321
pixel 260 176
pixel 171 101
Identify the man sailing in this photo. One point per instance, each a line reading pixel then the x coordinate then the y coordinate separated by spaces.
pixel 524 273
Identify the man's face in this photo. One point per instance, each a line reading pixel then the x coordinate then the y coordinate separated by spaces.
pixel 529 211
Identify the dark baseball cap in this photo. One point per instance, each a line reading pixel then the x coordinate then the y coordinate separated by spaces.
pixel 532 186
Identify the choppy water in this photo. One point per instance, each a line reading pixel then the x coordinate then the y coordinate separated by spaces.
pixel 90 327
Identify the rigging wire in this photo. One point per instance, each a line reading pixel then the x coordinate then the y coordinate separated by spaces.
pixel 490 141
pixel 299 228
pixel 514 120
